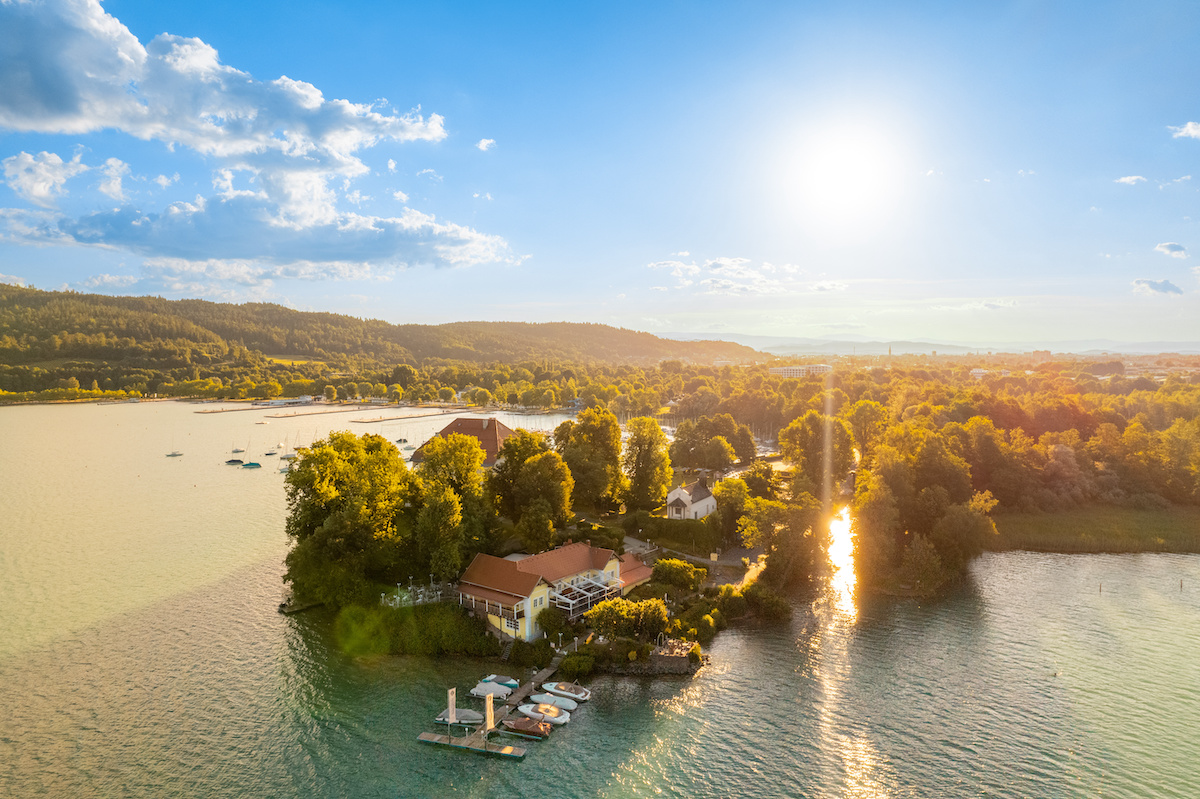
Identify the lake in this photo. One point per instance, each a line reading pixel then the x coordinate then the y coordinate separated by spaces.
pixel 141 654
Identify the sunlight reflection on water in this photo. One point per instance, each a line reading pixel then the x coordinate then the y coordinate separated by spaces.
pixel 841 558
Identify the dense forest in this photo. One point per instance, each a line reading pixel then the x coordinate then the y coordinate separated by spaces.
pixel 133 344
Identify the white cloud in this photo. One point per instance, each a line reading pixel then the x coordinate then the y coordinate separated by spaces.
pixel 81 70
pixel 487 195
pixel 1155 287
pixel 486 144
pixel 431 174
pixel 978 305
pixel 1025 172
pixel 680 254
pixel 391 165
pixel 357 197
pixel 12 280
pixel 1189 131
pixel 1172 249
pixel 114 170
pixel 163 181
pixel 1130 180
pixel 40 178
pixel 110 281
pixel 401 196
pixel 829 285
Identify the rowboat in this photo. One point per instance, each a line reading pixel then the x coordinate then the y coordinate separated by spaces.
pixel 547 713
pixel 557 701
pixel 568 689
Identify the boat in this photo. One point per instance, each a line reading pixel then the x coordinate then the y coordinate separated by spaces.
pixel 174 454
pixel 494 688
pixel 251 465
pixel 401 440
pixel 236 450
pixel 462 715
pixel 557 701
pixel 234 462
pixel 527 727
pixel 260 422
pixel 547 713
pixel 409 448
pixel 508 682
pixel 568 689
pixel 272 452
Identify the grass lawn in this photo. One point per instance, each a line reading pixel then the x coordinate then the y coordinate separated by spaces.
pixel 288 360
pixel 1100 529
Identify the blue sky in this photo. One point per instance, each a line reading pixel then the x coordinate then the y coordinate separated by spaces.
pixel 950 171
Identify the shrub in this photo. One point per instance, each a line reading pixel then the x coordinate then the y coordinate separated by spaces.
pixel 537 654
pixel 576 665
pixel 694 654
pixel 679 573
pixel 431 630
pixel 766 603
pixel 731 602
pixel 553 621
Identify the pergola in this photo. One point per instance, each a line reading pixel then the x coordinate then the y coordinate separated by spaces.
pixel 581 596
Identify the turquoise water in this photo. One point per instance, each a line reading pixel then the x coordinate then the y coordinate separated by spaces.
pixel 141 655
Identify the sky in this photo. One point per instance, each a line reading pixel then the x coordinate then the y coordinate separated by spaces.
pixel 959 172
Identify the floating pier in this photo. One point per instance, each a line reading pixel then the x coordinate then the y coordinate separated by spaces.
pixel 477 740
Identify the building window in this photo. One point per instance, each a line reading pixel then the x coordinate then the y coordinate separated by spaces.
pixel 512 624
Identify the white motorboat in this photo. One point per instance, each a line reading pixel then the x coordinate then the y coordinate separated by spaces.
pixel 462 716
pixel 547 713
pixel 494 688
pixel 557 701
pixel 568 689
pixel 507 682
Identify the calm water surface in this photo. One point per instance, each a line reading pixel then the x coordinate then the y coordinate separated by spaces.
pixel 141 655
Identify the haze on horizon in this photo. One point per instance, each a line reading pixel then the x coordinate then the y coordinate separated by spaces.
pixel 1003 172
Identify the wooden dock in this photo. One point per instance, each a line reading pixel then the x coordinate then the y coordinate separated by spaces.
pixel 476 740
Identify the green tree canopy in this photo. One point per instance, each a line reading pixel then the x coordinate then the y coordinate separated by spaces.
pixel 647 464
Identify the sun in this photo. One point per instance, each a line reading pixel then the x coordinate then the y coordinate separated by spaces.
pixel 844 176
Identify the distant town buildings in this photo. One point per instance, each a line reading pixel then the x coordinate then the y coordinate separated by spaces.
pixel 805 370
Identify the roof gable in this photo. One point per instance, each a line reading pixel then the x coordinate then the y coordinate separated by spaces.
pixel 491 434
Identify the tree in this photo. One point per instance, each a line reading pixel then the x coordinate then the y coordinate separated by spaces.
pixel 866 419
pixel 439 531
pixel 545 479
pixel 718 454
pixel 536 527
pixel 591 447
pixel 510 461
pixel 820 446
pixel 456 461
pixel 647 464
pixel 762 480
pixel 347 514
pixel 731 494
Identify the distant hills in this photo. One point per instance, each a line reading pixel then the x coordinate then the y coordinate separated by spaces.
pixel 40 325
pixel 856 345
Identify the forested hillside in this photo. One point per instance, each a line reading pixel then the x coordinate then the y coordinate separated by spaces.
pixel 47 338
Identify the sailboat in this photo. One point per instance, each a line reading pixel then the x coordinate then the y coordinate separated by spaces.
pixel 287 455
pixel 251 464
pixel 236 450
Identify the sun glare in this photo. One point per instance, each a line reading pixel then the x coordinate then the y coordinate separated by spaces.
pixel 841 559
pixel 845 177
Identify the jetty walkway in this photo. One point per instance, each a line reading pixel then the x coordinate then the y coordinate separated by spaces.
pixel 477 740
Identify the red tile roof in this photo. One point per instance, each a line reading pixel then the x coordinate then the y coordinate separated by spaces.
pixel 633 571
pixel 491 433
pixel 566 560
pixel 492 574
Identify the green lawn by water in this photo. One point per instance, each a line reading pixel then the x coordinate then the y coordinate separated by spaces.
pixel 1100 529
